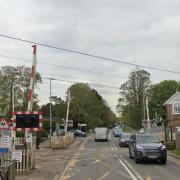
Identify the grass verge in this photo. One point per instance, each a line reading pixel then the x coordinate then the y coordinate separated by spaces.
pixel 177 152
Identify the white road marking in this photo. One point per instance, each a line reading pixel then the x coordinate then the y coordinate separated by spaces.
pixel 126 168
pixel 135 172
pixel 103 176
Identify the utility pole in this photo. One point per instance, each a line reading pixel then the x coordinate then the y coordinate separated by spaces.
pixel 67 114
pixel 147 109
pixel 13 96
pixel 50 106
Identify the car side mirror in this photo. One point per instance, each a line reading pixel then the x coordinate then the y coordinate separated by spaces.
pixel 162 142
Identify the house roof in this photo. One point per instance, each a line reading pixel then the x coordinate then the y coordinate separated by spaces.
pixel 173 97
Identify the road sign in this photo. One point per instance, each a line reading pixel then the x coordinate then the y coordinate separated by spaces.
pixel 5 141
pixel 3 150
pixel 5 132
pixel 17 155
pixel 4 125
pixel 29 137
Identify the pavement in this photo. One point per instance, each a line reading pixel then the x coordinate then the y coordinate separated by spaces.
pixel 174 155
pixel 50 163
pixel 108 161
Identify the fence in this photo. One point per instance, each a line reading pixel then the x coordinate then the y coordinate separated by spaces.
pixel 157 131
pixel 7 169
pixel 62 141
pixel 178 140
pixel 27 155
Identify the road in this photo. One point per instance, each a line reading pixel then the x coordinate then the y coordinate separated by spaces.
pixel 106 160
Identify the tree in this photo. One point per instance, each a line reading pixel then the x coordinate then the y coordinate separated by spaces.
pixel 158 95
pixel 87 106
pixel 132 92
pixel 19 77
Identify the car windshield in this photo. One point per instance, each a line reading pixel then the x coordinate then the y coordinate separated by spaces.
pixel 147 139
pixel 126 136
pixel 118 130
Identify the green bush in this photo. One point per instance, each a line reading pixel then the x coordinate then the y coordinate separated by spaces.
pixel 20 134
pixel 44 133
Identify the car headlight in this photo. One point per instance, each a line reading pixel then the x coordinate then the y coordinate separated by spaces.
pixel 163 147
pixel 139 148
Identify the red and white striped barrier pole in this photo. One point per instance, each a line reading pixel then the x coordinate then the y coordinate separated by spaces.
pixel 32 80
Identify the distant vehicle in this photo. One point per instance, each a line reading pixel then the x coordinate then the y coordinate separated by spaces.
pixel 141 131
pixel 124 139
pixel 80 133
pixel 60 132
pixel 117 131
pixel 101 133
pixel 147 147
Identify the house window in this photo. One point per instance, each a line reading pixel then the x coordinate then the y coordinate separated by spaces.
pixel 176 108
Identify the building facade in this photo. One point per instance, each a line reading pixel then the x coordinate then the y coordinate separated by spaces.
pixel 173 111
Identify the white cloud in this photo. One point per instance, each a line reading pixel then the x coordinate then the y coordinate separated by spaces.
pixel 144 32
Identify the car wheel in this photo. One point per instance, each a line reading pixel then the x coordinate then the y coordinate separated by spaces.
pixel 135 157
pixel 130 154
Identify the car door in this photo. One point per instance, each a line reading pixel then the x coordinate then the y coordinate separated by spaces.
pixel 130 143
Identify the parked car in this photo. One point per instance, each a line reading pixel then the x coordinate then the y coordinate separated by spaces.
pixel 101 133
pixel 124 139
pixel 80 133
pixel 147 147
pixel 117 131
pixel 60 132
pixel 142 131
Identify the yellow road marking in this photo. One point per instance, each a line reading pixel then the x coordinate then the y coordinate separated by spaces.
pixel 96 161
pixel 103 176
pixel 148 178
pixel 72 163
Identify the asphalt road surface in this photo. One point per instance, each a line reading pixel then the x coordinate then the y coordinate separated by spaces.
pixel 106 160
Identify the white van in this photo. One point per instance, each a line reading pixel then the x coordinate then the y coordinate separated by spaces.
pixel 101 133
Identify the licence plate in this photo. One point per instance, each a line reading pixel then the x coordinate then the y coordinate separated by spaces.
pixel 152 156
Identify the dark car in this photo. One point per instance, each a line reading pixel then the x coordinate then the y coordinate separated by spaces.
pixel 117 131
pixel 80 133
pixel 147 147
pixel 124 139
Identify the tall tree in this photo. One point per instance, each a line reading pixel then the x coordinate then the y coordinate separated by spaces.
pixel 131 99
pixel 87 106
pixel 159 93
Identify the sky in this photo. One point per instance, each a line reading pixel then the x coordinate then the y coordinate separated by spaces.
pixel 137 31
